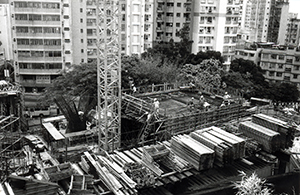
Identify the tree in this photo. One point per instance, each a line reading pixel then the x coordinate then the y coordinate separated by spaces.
pixel 252 185
pixel 76 81
pixel 206 74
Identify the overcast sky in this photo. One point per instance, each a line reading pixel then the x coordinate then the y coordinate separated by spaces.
pixel 295 7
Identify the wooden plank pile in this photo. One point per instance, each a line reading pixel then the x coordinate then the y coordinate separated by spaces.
pixel 81 184
pixel 221 148
pixel 287 132
pixel 236 143
pixel 59 172
pixel 198 155
pixel 155 152
pixel 269 139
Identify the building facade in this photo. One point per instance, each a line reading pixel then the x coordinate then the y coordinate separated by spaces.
pixel 37 42
pixel 293 31
pixel 215 25
pixel 278 64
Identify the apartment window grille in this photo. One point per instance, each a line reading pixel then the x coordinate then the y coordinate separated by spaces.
pixel 21 17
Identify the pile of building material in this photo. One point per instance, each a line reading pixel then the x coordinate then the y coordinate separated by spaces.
pixel 59 172
pixel 155 152
pixel 227 146
pixel 269 139
pixel 222 150
pixel 198 155
pixel 287 132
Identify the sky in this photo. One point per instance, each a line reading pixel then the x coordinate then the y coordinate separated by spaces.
pixel 295 7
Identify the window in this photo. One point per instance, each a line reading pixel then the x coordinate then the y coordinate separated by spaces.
pixel 177 14
pixel 52 30
pixel 123 7
pixel 295 76
pixel 67 52
pixel 279 74
pixel 51 18
pixel 66 17
pixel 226 39
pixel 289 60
pixel 21 17
pixel 209 20
pixel 67 41
pixel 274 56
pixel 177 24
pixel 178 4
pixel 52 53
pixel 81 20
pixel 280 66
pixel 81 40
pixel 82 51
pixel 297 58
pixel 281 57
pixel 66 29
pixel 81 30
pixel 82 60
pixel 81 10
pixel 35 17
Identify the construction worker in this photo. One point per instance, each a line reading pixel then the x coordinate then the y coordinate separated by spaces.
pixel 156 107
pixel 226 99
pixel 201 101
pixel 191 103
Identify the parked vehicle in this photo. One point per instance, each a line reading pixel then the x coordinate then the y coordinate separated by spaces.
pixel 40 112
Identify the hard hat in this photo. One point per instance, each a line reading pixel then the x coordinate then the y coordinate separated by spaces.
pixel 155 99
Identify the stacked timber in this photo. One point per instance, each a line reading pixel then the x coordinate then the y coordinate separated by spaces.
pixel 140 174
pixel 269 139
pixel 59 172
pixel 155 152
pixel 81 184
pixel 110 181
pixel 221 148
pixel 236 144
pixel 117 171
pixel 286 132
pixel 197 154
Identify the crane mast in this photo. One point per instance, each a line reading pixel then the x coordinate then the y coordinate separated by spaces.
pixel 108 75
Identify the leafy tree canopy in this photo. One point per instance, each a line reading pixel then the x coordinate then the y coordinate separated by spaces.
pixel 207 73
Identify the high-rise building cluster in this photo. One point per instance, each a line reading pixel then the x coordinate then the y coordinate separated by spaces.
pixel 43 37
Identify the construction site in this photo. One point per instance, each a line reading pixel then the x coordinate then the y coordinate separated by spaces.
pixel 158 140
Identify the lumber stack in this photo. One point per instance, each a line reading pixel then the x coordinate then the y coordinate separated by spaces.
pixel 155 152
pixel 287 133
pixel 59 172
pixel 237 144
pixel 221 148
pixel 197 154
pixel 269 139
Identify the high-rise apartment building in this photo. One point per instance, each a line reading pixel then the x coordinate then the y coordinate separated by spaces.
pixel 170 16
pixel 37 42
pixel 293 31
pixel 215 26
pixel 264 21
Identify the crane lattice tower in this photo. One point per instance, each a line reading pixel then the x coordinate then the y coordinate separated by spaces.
pixel 109 74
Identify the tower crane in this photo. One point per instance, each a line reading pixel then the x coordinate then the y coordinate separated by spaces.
pixel 108 74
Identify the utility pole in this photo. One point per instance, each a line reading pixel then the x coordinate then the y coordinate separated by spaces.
pixel 108 74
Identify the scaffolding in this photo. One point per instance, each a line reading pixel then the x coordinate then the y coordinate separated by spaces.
pixel 108 74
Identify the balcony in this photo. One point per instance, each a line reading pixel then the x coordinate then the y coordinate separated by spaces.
pixel 188 19
pixel 40 71
pixel 33 83
pixel 160 9
pixel 169 19
pixel 37 35
pixel 37 22
pixel 40 59
pixel 158 29
pixel 36 10
pixel 32 47
pixel 169 29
